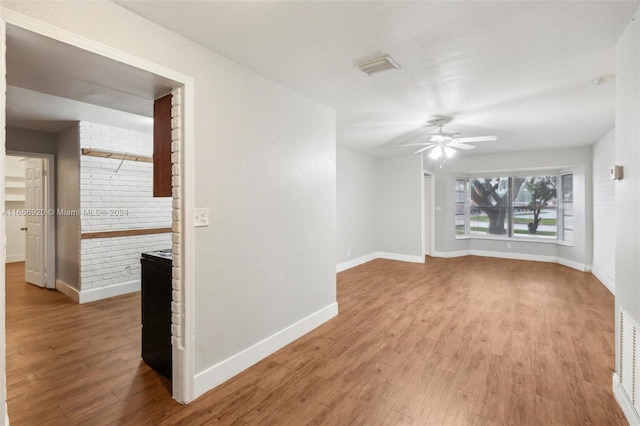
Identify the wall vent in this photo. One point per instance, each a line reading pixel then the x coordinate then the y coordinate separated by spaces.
pixel 379 64
pixel 629 358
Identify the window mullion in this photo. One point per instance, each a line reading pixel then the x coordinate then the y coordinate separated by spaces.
pixel 510 208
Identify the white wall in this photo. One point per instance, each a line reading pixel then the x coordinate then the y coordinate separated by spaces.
pixel 577 160
pixel 379 211
pixel 126 189
pixel 357 204
pixel 265 166
pixel 604 215
pixel 627 203
pixel 30 141
pixel 627 190
pixel 399 219
pixel 68 198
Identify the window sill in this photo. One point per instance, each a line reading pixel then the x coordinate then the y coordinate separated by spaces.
pixel 514 240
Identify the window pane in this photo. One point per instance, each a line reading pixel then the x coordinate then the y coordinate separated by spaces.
pixel 534 207
pixel 459 207
pixel 489 205
pixel 567 207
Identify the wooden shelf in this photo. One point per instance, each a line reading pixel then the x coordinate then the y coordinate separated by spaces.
pixel 14 184
pixel 116 155
pixel 14 188
pixel 124 233
pixel 14 197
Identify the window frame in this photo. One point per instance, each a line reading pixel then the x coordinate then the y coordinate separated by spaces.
pixel 560 237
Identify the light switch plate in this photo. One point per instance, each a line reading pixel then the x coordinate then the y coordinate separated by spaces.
pixel 202 217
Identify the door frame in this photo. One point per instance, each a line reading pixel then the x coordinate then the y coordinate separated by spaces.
pixel 432 243
pixel 182 343
pixel 49 232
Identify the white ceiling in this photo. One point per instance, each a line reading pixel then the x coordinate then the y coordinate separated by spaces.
pixel 523 71
pixel 52 85
pixel 27 109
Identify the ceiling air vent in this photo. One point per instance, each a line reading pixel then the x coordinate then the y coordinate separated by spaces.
pixel 374 66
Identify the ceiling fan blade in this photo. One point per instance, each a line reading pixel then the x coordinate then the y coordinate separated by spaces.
pixel 464 146
pixel 416 144
pixel 476 139
pixel 424 149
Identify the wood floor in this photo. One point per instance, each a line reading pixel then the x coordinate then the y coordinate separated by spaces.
pixel 466 341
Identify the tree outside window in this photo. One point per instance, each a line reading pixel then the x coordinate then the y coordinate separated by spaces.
pixel 514 206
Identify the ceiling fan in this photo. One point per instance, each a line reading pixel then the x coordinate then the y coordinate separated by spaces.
pixel 444 144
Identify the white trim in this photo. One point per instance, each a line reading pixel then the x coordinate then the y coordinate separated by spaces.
pixel 19 20
pixel 99 293
pixel 432 240
pixel 183 378
pixel 608 283
pixel 449 254
pixel 224 370
pixel 4 412
pixel 184 390
pixel 343 266
pixel 69 291
pixel 14 258
pixel 573 264
pixel 516 256
pixel 624 402
pixel 401 257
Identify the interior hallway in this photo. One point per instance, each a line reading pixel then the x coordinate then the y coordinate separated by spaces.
pixel 472 340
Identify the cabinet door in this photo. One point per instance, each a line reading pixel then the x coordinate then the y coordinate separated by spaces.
pixel 162 147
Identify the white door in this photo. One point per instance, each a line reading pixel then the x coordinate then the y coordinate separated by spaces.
pixel 34 206
pixel 427 215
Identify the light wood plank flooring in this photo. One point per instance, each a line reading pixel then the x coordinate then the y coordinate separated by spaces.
pixel 466 341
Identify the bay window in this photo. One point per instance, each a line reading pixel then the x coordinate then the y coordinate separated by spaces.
pixel 532 207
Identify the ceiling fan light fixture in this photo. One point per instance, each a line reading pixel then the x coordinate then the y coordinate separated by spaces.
pixel 436 152
pixel 379 64
pixel 449 152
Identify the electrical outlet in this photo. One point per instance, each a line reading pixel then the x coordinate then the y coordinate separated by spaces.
pixel 202 217
pixel 349 253
pixel 508 245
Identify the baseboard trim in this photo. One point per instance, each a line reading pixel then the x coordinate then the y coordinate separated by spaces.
pixel 224 370
pixel 515 256
pixel 12 258
pixel 450 254
pixel 575 265
pixel 93 294
pixel 606 281
pixel 113 290
pixel 624 402
pixel 340 267
pixel 356 262
pixel 68 291
pixel 401 257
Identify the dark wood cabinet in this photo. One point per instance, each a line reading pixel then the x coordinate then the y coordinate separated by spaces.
pixel 162 147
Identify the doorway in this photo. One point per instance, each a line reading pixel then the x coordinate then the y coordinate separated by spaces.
pixel 183 203
pixel 428 214
pixel 30 222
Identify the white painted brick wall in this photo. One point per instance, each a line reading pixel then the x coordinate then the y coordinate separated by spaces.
pixel 177 272
pixel 110 261
pixel 604 225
